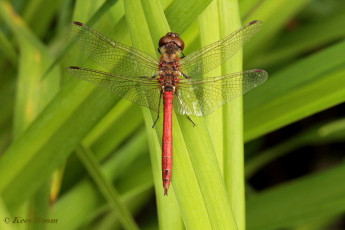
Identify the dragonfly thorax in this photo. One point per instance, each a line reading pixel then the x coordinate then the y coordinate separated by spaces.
pixel 169 65
pixel 170 48
pixel 168 79
pixel 168 87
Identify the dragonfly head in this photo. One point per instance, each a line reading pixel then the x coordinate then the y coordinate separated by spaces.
pixel 171 42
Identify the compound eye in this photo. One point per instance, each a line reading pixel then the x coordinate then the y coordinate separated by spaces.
pixel 164 40
pixel 179 43
pixel 171 37
pixel 176 35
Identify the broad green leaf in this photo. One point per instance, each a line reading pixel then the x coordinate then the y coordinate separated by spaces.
pixel 193 165
pixel 7 92
pixel 274 14
pixel 74 209
pixel 319 134
pixel 45 141
pixel 33 93
pixel 6 222
pixel 298 202
pixel 189 9
pixel 309 37
pixel 7 49
pixel 301 89
pixel 114 128
pixel 233 120
pixel 39 19
pixel 108 191
pixel 210 33
pixel 248 6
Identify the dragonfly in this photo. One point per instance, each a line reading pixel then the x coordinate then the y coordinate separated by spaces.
pixel 142 79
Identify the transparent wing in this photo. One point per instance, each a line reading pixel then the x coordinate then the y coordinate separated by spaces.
pixel 139 90
pixel 113 56
pixel 203 96
pixel 209 57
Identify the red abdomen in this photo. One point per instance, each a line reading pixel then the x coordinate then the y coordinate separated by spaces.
pixel 167 140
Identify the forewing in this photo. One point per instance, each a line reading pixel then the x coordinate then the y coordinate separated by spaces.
pixel 139 90
pixel 113 56
pixel 203 96
pixel 209 57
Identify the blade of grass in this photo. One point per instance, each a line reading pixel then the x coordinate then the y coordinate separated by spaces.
pixel 197 179
pixel 119 125
pixel 106 136
pixel 81 210
pixel 274 14
pixel 108 191
pixel 320 224
pixel 298 202
pixel 44 141
pixel 320 134
pixel 233 120
pixel 94 18
pixel 304 88
pixel 209 33
pixel 39 20
pixel 47 131
pixel 7 95
pixel 7 49
pixel 106 221
pixel 39 206
pixel 189 9
pixel 6 218
pixel 310 37
pixel 247 7
pixel 63 18
pixel 32 93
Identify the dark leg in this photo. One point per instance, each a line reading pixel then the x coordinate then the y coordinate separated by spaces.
pixel 182 56
pixel 159 51
pixel 159 105
pixel 154 76
pixel 190 120
pixel 149 78
pixel 185 76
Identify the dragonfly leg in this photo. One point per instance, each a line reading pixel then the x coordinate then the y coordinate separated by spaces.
pixel 154 76
pixel 154 123
pixel 150 78
pixel 190 120
pixel 181 103
pixel 159 105
pixel 185 76
pixel 183 56
pixel 159 51
pixel 146 78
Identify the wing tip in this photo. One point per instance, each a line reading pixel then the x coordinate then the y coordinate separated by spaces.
pixel 78 23
pixel 69 69
pixel 255 22
pixel 73 67
pixel 259 70
pixel 263 74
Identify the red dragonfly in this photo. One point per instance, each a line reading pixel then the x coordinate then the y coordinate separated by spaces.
pixel 144 80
